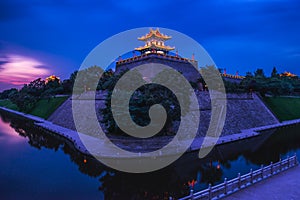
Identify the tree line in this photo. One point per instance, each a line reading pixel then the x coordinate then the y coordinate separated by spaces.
pixel 274 85
pixel 27 97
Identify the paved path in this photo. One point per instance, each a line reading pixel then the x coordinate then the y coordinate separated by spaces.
pixel 283 186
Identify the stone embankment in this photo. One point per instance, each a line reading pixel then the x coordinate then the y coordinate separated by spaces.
pixel 76 137
pixel 244 111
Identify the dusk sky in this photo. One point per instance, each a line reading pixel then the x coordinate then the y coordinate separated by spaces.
pixel 40 38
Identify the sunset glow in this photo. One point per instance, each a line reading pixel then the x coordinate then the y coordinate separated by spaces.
pixel 18 70
pixel 10 135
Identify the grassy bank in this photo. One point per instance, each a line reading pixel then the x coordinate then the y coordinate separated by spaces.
pixel 44 107
pixel 8 104
pixel 285 108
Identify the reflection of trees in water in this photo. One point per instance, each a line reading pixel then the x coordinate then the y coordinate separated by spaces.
pixel 174 178
pixel 226 164
pixel 114 184
pixel 4 117
pixel 43 139
pixel 143 186
pixel 210 174
pixel 284 140
pixel 118 185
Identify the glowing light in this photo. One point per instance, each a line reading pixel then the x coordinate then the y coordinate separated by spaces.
pixel 192 183
pixel 19 70
pixel 84 161
pixel 288 74
pixel 52 78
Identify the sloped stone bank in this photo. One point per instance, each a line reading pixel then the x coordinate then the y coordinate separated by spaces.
pixel 244 111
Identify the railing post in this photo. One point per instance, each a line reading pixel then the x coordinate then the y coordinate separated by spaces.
pixel 288 160
pixel 192 194
pixel 239 178
pixel 262 171
pixel 251 176
pixel 209 191
pixel 225 186
pixel 271 168
pixel 280 163
pixel 295 159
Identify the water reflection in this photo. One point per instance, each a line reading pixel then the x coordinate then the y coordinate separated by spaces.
pixel 224 161
pixel 9 134
pixel 285 141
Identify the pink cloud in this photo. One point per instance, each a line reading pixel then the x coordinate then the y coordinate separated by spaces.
pixel 18 70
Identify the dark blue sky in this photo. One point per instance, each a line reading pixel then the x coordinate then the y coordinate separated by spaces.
pixel 53 37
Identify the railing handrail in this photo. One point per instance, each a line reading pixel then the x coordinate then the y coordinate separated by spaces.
pixel 264 172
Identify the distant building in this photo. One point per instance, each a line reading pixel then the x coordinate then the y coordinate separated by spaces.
pixel 232 78
pixel 52 78
pixel 288 74
pixel 155 51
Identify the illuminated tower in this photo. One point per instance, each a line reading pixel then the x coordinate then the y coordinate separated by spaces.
pixel 155 51
pixel 154 43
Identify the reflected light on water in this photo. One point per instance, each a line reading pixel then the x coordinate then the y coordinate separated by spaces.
pixel 8 134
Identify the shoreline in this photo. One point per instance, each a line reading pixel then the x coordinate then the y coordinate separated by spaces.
pixel 197 143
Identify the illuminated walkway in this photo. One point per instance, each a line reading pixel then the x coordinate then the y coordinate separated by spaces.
pixel 283 186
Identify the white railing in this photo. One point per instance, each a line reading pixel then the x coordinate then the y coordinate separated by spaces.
pixel 240 182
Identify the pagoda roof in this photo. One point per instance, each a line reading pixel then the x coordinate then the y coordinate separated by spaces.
pixel 155 46
pixel 154 33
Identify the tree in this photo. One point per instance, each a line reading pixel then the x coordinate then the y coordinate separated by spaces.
pixel 143 98
pixel 86 79
pixel 232 87
pixel 35 88
pixel 24 101
pixel 53 83
pixel 28 96
pixel 7 93
pixel 274 86
pixel 259 73
pixel 108 83
pixel 211 77
pixel 73 76
pixel 53 87
pixel 286 87
pixel 108 80
pixel 249 75
pixel 274 73
pixel 67 84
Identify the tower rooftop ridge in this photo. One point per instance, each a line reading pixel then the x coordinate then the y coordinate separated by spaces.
pixel 154 33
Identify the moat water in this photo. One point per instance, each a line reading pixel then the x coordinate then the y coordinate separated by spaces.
pixel 39 165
